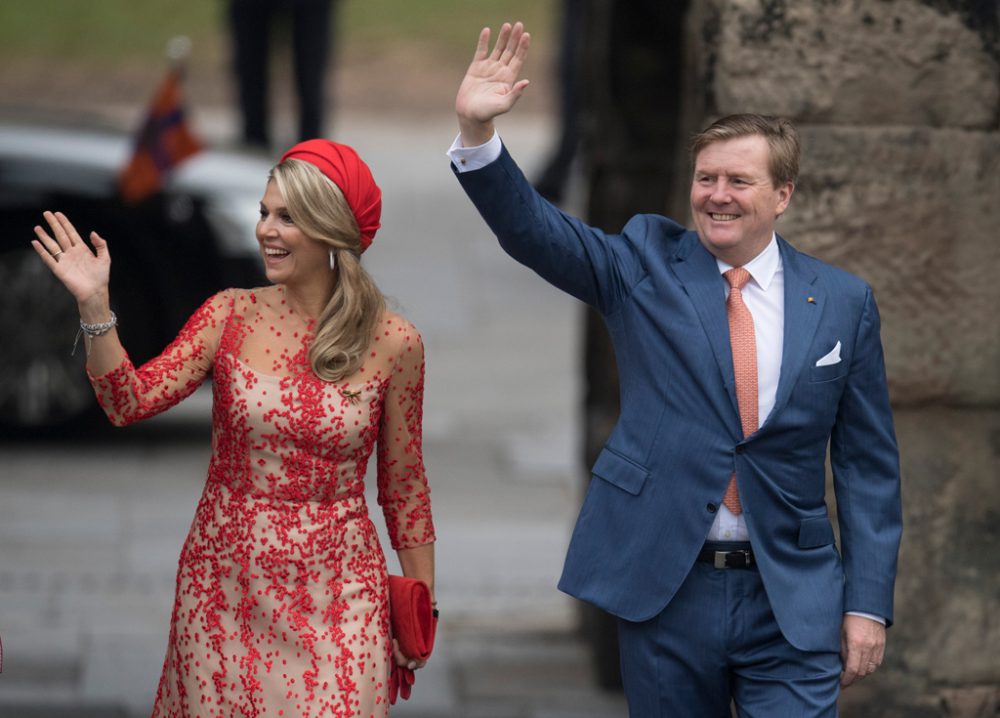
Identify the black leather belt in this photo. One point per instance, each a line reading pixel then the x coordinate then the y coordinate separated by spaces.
pixel 727 556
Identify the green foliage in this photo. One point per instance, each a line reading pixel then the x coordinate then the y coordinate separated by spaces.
pixel 137 31
pixel 104 31
pixel 447 27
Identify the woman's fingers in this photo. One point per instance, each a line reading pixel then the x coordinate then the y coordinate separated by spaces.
pixel 71 234
pixel 63 237
pixel 63 231
pixel 397 654
pixel 401 660
pixel 45 243
pixel 100 244
pixel 58 232
pixel 44 253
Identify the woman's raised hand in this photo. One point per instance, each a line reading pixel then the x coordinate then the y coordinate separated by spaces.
pixel 491 85
pixel 84 272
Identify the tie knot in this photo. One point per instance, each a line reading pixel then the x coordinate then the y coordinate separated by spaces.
pixel 737 277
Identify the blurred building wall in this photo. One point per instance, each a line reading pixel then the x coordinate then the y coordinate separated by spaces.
pixel 898 103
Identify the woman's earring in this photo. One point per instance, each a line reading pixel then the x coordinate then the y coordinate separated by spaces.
pixel 333 261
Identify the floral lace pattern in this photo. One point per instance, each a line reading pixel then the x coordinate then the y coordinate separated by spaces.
pixel 281 605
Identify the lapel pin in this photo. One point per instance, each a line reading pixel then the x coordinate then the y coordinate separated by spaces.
pixel 810 300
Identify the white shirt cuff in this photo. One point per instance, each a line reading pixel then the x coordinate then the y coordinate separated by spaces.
pixel 877 619
pixel 467 159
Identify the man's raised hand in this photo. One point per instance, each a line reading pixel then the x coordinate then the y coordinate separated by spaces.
pixel 491 85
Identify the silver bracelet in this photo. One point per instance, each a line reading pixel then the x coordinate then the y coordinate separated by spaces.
pixel 93 330
pixel 96 330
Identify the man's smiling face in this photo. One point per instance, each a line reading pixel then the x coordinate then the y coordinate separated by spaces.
pixel 733 199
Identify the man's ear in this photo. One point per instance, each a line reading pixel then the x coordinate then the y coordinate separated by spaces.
pixel 785 192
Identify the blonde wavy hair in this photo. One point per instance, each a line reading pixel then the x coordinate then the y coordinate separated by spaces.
pixel 346 327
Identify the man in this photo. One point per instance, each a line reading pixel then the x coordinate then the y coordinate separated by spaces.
pixel 250 24
pixel 705 528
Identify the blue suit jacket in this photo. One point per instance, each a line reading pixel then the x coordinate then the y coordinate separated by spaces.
pixel 665 467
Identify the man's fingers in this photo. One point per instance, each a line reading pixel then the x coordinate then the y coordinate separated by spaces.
pixel 852 670
pixel 862 648
pixel 482 47
pixel 515 92
pixel 859 663
pixel 850 662
pixel 510 47
pixel 521 51
pixel 520 55
pixel 501 43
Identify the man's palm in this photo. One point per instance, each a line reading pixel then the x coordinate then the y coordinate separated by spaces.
pixel 491 85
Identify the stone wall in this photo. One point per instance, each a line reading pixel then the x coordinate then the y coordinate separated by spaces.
pixel 898 103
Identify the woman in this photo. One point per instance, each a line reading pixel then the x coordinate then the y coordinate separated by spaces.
pixel 281 605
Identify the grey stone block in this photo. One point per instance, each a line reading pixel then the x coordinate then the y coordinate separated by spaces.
pixel 949 573
pixel 901 62
pixel 913 211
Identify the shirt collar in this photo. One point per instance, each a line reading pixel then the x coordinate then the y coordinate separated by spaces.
pixel 763 267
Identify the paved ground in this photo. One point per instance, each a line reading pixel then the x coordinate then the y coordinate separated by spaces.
pixel 90 531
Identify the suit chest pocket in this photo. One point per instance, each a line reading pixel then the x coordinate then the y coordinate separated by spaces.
pixel 823 374
pixel 620 471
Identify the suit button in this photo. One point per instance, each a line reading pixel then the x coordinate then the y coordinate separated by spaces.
pixel 712 508
pixel 740 449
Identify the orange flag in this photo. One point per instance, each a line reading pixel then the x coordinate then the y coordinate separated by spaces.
pixel 162 143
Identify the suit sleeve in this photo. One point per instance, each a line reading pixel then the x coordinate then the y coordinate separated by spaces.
pixel 866 475
pixel 597 268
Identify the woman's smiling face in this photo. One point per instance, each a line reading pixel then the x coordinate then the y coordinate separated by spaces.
pixel 289 255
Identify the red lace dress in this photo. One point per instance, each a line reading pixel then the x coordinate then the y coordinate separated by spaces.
pixel 281 606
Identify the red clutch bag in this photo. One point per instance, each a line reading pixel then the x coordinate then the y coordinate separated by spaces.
pixel 414 623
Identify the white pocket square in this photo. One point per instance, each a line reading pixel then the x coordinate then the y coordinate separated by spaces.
pixel 832 358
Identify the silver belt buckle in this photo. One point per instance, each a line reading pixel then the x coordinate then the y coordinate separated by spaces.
pixel 720 558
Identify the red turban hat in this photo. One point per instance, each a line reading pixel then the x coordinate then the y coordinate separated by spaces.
pixel 345 169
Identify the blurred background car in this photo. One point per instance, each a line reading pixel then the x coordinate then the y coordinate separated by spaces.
pixel 169 253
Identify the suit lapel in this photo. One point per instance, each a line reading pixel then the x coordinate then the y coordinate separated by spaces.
pixel 804 302
pixel 697 270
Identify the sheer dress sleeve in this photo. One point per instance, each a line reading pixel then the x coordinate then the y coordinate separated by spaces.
pixel 403 492
pixel 129 394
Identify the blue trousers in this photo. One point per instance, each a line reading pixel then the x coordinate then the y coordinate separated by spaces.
pixel 717 643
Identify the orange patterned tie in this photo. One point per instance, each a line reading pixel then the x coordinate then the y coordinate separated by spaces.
pixel 744 346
